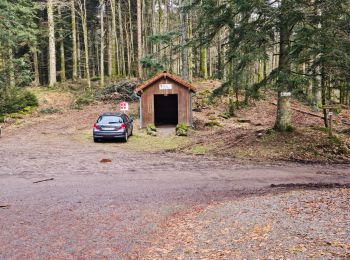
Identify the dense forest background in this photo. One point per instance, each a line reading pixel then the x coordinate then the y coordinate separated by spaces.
pixel 300 47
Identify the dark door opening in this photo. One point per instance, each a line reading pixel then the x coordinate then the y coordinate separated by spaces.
pixel 166 110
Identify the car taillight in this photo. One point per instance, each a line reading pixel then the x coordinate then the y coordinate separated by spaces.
pixel 96 127
pixel 123 126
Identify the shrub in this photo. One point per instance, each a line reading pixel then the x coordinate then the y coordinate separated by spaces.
pixel 30 99
pixel 213 124
pixel 224 115
pixel 151 130
pixel 181 130
pixel 290 129
pixel 18 101
pixel 93 79
pixel 231 108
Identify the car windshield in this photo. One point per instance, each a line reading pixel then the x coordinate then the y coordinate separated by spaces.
pixel 110 120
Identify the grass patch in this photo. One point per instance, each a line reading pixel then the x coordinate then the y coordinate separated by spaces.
pixel 321 129
pixel 144 143
pixel 200 149
pixel 50 111
pixel 147 143
pixel 213 124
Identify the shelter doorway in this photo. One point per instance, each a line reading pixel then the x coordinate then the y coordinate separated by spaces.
pixel 166 110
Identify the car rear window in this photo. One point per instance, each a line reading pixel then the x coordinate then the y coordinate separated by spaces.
pixel 110 120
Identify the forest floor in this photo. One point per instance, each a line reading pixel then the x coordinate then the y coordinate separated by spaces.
pixel 249 134
pixel 110 200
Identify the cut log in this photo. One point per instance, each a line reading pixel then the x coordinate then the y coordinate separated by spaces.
pixel 302 111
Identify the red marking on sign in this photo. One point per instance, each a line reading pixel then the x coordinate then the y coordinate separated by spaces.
pixel 124 106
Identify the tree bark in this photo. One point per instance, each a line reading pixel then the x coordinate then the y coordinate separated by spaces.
pixel 52 44
pixel 139 39
pixel 115 62
pixel 132 52
pixel 74 42
pixel 36 82
pixel 122 42
pixel 203 63
pixel 283 118
pixel 190 51
pixel 128 47
pixel 110 50
pixel 79 55
pixel 86 44
pixel 12 77
pixel 62 56
pixel 184 50
pixel 102 48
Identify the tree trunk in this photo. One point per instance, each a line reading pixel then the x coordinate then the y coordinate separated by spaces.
pixel 283 118
pixel 154 27
pixel 190 51
pixel 110 50
pixel 139 39
pixel 128 48
pixel 324 96
pixel 219 50
pixel 79 54
pixel 62 56
pixel 86 45
pixel 184 50
pixel 11 69
pixel 115 62
pixel 36 82
pixel 122 43
pixel 52 44
pixel 102 48
pixel 132 52
pixel 74 42
pixel 203 63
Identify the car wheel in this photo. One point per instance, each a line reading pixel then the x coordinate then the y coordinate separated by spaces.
pixel 96 140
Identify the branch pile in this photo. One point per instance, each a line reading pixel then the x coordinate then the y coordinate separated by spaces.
pixel 121 91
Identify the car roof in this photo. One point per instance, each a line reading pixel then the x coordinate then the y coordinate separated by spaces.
pixel 112 114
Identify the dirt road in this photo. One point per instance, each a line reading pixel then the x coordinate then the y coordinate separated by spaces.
pixel 113 210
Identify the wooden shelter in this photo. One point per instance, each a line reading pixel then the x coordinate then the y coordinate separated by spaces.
pixel 165 100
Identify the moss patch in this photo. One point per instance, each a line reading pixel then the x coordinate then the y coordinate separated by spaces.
pixel 144 142
pixel 200 149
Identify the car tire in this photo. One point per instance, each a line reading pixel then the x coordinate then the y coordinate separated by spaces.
pixel 96 140
pixel 125 139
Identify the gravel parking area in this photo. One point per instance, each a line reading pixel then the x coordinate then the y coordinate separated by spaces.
pixel 103 201
pixel 295 225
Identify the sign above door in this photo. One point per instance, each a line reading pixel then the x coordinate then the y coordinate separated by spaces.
pixel 165 86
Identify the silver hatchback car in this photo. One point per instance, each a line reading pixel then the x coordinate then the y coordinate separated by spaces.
pixel 111 126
